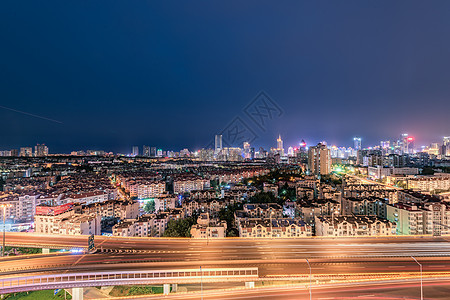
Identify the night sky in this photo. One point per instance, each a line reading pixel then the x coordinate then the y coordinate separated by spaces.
pixel 112 74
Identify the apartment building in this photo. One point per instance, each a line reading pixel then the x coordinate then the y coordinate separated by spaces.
pixel 67 222
pixel 273 228
pixel 350 226
pixel 186 185
pixel 430 183
pixel 207 228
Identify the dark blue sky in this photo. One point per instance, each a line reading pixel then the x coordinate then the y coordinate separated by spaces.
pixel 172 74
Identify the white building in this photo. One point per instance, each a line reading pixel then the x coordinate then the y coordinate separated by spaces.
pixel 348 226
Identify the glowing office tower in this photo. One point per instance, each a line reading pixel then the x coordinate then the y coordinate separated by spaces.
pixel 218 143
pixel 146 151
pixel 40 150
pixel 357 143
pixel 280 145
pixel 247 150
pixel 26 151
pixel 407 143
pixel 446 146
pixel 135 151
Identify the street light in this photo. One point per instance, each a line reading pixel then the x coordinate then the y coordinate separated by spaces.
pixel 310 275
pixel 201 281
pixel 271 227
pixel 421 278
pixel 4 206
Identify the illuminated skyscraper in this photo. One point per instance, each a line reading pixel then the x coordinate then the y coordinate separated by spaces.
pixel 26 151
pixel 153 151
pixel 40 150
pixel 407 143
pixel 135 151
pixel 290 151
pixel 146 151
pixel 357 143
pixel 385 144
pixel 218 143
pixel 247 154
pixel 280 145
pixel 446 146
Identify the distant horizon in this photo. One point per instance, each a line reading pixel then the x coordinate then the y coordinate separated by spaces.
pixel 128 149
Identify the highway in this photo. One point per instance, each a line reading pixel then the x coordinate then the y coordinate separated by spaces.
pixel 276 259
pixel 268 267
pixel 437 289
pixel 239 248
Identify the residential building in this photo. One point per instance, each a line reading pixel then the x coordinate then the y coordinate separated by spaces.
pixel 351 226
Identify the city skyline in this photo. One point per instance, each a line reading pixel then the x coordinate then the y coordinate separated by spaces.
pixel 146 148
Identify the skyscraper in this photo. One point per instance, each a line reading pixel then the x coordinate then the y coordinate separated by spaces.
pixel 26 151
pixel 146 151
pixel 319 160
pixel 302 145
pixel 280 145
pixel 407 142
pixel 218 143
pixel 357 143
pixel 247 150
pixel 446 146
pixel 40 150
pixel 153 151
pixel 135 151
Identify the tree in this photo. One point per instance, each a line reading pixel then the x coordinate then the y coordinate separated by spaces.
pixel 263 197
pixel 180 227
pixel 427 171
pixel 149 206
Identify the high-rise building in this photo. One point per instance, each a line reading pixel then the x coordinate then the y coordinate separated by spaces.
pixel 357 143
pixel 153 151
pixel 280 145
pixel 135 151
pixel 26 151
pixel 302 146
pixel 446 146
pixel 145 151
pixel 407 144
pixel 40 150
pixel 319 160
pixel 218 143
pixel 291 151
pixel 385 146
pixel 247 150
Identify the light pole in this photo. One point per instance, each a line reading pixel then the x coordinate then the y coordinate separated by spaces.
pixel 201 281
pixel 4 206
pixel 421 278
pixel 310 281
pixel 271 227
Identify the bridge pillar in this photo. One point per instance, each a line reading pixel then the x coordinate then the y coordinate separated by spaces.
pixel 77 293
pixel 45 251
pixel 250 284
pixel 166 288
pixel 174 287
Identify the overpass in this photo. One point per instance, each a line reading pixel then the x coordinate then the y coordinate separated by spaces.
pixel 276 259
pixel 170 278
